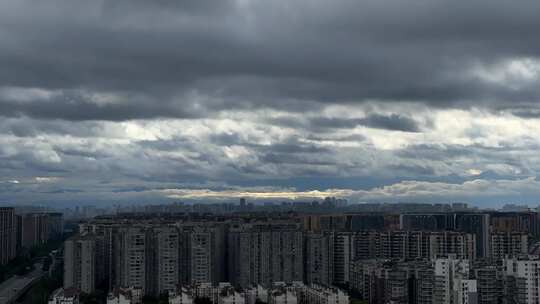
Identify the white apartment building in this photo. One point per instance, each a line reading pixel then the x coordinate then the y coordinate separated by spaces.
pixel 452 283
pixel 522 276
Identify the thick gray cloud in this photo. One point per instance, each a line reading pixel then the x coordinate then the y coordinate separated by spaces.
pixel 118 100
pixel 161 58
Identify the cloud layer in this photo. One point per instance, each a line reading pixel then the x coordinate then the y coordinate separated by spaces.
pixel 116 101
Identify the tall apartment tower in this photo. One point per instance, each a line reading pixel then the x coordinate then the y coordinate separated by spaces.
pixel 509 244
pixel 167 259
pixel 367 245
pixel 489 283
pixel 319 256
pixel 243 204
pixel 287 258
pixel 262 254
pixel 477 224
pixel 461 245
pixel 33 229
pixel 452 282
pixel 131 265
pixel 80 259
pixel 521 278
pixel 203 256
pixel 248 260
pixel 147 258
pixel 55 225
pixel 200 256
pixel 343 255
pixel 8 243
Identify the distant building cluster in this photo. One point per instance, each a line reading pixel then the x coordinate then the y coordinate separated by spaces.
pixel 463 257
pixel 26 230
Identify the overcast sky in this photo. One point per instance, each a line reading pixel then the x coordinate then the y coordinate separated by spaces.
pixel 131 101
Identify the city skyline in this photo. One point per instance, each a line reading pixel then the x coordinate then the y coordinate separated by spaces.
pixel 130 102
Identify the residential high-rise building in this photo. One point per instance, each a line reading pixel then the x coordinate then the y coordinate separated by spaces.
pixel 366 245
pixel 249 260
pixel 200 256
pixel 203 252
pixel 80 263
pixel 366 222
pixel 380 281
pixel 521 280
pixel 319 255
pixel 147 258
pixel 243 204
pixel 343 255
pixel 132 265
pixel 333 222
pixel 266 253
pixel 515 222
pixel 508 244
pixel 427 222
pixel 32 229
pixel 167 247
pixel 423 284
pixel 410 245
pixel 8 241
pixel 55 225
pixel 477 224
pixel 461 245
pixel 489 283
pixel 452 282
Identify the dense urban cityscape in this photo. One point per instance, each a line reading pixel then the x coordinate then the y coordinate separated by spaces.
pixel 269 152
pixel 249 253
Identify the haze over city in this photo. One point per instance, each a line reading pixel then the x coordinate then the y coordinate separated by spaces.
pixel 137 101
pixel 269 152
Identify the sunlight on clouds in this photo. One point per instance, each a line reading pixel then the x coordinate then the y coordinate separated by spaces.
pixel 229 194
pixel 41 179
pixel 235 152
pixel 136 131
pixel 514 73
pixel 474 172
pixel 22 94
pixel 399 191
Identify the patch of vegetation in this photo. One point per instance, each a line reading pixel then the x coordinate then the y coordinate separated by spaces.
pixel 162 299
pixel 97 297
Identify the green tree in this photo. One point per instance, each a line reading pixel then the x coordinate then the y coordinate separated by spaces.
pixel 202 301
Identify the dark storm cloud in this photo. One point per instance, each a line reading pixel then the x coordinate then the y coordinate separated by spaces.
pixel 526 112
pixel 392 122
pixel 196 93
pixel 77 106
pixel 347 138
pixel 245 54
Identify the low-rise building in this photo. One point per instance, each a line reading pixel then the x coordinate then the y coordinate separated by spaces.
pixel 125 296
pixel 316 294
pixel 64 296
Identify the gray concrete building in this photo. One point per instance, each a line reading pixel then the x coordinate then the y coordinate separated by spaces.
pixel 489 283
pixel 262 254
pixel 343 255
pixel 204 252
pixel 55 225
pixel 319 256
pixel 32 229
pixel 508 244
pixel 132 254
pixel 80 263
pixel 8 241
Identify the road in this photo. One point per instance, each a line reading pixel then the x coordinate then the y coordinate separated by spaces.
pixel 15 286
